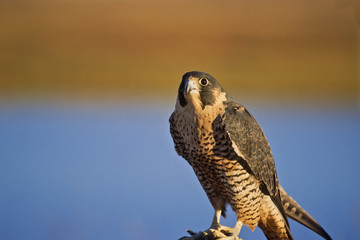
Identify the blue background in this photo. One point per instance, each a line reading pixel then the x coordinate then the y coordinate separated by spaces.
pixel 106 171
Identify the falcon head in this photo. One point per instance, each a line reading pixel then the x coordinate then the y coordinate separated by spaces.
pixel 199 89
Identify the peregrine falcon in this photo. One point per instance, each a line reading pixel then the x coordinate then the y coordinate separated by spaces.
pixel 232 159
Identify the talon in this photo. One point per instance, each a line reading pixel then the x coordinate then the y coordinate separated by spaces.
pixel 221 233
pixel 191 232
pixel 228 231
pixel 194 236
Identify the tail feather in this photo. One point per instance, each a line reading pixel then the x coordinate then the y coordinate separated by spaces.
pixel 295 212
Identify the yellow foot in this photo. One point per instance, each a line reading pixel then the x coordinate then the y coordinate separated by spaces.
pixel 221 233
pixel 228 231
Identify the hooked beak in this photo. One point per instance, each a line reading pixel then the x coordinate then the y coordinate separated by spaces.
pixel 190 85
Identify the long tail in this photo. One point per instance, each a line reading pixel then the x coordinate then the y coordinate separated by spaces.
pixel 295 212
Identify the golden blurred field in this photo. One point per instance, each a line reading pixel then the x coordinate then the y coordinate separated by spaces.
pixel 278 50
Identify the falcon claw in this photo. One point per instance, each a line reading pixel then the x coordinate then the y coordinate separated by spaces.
pixel 191 232
pixel 223 233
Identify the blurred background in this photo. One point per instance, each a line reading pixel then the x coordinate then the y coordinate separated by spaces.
pixel 87 87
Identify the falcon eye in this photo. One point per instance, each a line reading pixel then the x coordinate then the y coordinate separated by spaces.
pixel 203 81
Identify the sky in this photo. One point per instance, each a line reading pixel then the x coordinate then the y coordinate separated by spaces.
pixel 110 171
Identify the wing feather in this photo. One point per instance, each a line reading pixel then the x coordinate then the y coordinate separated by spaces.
pixel 176 136
pixel 252 149
pixel 250 144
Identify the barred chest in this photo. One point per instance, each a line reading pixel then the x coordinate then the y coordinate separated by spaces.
pixel 198 136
